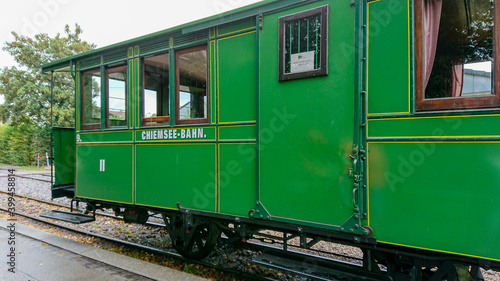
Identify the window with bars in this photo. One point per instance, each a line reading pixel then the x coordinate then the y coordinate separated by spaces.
pixel 302 44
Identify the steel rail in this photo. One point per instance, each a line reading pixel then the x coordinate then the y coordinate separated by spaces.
pixel 68 207
pixel 31 178
pixel 259 246
pixel 251 245
pixel 243 275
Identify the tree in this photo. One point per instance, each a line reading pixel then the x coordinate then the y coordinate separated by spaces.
pixel 27 94
pixel 27 91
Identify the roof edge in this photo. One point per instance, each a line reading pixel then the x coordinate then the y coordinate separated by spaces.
pixel 186 28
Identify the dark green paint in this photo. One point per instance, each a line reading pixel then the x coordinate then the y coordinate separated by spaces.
pixel 77 101
pixel 236 88
pixel 171 61
pixel 238 26
pixel 130 91
pixel 305 132
pixel 421 199
pixel 64 155
pixel 388 57
pixel 177 134
pixel 306 128
pixel 176 173
pixel 237 178
pixel 213 81
pixel 103 137
pixel 115 183
pixel 240 132
pixel 137 89
pixel 443 126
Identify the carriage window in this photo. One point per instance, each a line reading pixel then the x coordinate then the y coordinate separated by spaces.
pixel 457 44
pixel 91 99
pixel 302 44
pixel 191 85
pixel 156 89
pixel 116 97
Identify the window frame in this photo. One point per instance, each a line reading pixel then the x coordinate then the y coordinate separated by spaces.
pixel 454 103
pixel 179 121
pixel 150 121
pixel 89 126
pixel 323 70
pixel 114 69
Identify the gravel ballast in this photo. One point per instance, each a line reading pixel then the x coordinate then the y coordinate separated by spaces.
pixel 157 237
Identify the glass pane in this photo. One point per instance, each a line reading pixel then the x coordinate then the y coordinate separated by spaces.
pixel 117 85
pixel 464 51
pixel 192 85
pixel 150 103
pixel 92 98
pixel 302 44
pixel 477 79
pixel 156 86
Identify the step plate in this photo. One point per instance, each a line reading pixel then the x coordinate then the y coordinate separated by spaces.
pixel 75 218
pixel 314 268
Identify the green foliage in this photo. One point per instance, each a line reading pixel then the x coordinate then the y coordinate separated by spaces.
pixel 27 90
pixel 27 96
pixel 20 144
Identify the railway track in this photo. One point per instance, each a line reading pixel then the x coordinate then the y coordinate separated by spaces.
pixel 27 176
pixel 69 207
pixel 263 243
pixel 167 254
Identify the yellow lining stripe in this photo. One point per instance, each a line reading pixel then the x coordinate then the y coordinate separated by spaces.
pixel 446 142
pixel 102 142
pixel 434 117
pixel 235 126
pixel 232 32
pixel 76 173
pixel 368 199
pixel 160 207
pixel 368 183
pixel 217 178
pixel 436 137
pixel 229 140
pixel 368 60
pixel 213 104
pixel 167 144
pixel 217 76
pixel 427 117
pixel 251 122
pixel 217 70
pixel 134 170
pixel 105 144
pixel 103 132
pixel 139 144
pixel 175 140
pixel 174 128
pixel 440 251
pixel 101 199
pixel 250 32
pixel 136 90
pixel 311 222
pixel 409 60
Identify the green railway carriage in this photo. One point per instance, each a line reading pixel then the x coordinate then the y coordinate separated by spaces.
pixel 370 123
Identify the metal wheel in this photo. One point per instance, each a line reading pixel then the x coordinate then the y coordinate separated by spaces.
pixel 202 240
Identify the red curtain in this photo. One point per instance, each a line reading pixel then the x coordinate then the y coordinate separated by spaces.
pixel 457 79
pixel 431 18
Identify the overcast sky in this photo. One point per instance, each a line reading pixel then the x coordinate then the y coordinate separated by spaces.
pixel 104 22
